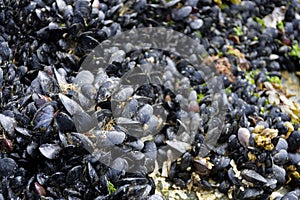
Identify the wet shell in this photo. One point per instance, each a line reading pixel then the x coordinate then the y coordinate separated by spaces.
pixel 244 136
pixel 50 151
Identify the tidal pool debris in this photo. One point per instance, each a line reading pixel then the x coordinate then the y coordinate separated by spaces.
pixel 58 128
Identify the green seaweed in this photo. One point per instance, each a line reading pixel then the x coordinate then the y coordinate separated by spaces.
pixel 200 97
pixel 111 187
pixel 295 52
pixel 238 31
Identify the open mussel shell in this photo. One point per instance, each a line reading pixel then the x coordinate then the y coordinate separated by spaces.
pixel 50 151
pixel 8 123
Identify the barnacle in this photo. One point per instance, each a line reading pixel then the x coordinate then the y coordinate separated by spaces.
pixel 203 165
pixel 290 127
pixel 263 137
pixel 278 96
pixel 251 156
pixel 258 129
pixel 220 3
pixel 222 66
pixel 292 173
pixel 242 62
pixel 110 125
pixel 68 88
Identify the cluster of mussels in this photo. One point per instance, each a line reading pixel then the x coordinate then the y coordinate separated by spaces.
pixel 68 133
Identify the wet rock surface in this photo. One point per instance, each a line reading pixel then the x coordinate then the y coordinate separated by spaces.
pixel 49 108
